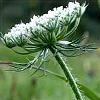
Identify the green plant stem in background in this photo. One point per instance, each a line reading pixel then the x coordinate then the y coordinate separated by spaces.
pixel 68 74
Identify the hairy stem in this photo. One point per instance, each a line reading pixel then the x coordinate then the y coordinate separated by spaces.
pixel 68 74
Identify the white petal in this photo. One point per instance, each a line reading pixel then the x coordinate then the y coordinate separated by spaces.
pixel 64 42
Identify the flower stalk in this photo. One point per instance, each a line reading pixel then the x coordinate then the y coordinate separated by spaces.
pixel 68 74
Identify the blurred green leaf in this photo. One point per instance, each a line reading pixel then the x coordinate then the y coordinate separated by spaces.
pixel 86 91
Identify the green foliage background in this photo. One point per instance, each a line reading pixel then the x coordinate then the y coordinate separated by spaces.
pixel 23 86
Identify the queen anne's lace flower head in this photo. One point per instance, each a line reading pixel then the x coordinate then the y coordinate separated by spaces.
pixel 44 29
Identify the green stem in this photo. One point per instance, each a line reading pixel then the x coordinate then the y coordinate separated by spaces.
pixel 68 74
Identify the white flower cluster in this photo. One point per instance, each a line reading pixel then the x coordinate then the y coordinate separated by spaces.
pixel 62 15
pixel 16 34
